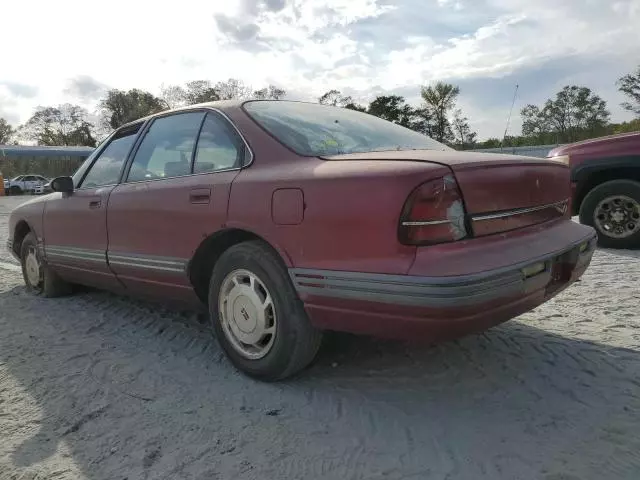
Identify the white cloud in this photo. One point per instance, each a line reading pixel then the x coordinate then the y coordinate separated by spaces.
pixel 363 47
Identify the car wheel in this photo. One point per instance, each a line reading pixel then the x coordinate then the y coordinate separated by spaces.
pixel 613 209
pixel 257 316
pixel 15 190
pixel 38 277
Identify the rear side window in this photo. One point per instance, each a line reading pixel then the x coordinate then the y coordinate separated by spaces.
pixel 312 129
pixel 167 147
pixel 107 167
pixel 218 148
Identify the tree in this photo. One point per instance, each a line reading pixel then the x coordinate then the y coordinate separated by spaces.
pixel 630 86
pixel 200 91
pixel 440 99
pixel 355 106
pixel 627 127
pixel 576 113
pixel 535 122
pixel 392 108
pixel 464 136
pixel 195 91
pixel 6 132
pixel 422 121
pixel 120 107
pixel 335 99
pixel 269 93
pixel 232 89
pixel 489 143
pixel 65 125
pixel 173 96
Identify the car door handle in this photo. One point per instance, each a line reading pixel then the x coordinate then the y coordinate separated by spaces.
pixel 200 195
pixel 95 203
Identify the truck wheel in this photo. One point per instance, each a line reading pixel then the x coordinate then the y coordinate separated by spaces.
pixel 258 318
pixel 38 277
pixel 15 190
pixel 613 209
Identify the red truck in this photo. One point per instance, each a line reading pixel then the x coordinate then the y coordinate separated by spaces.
pixel 605 184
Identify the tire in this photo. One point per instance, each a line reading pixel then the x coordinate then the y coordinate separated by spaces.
pixel 15 190
pixel 295 341
pixel 45 282
pixel 589 210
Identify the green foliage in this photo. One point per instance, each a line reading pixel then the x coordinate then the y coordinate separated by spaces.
pixel 575 114
pixel 6 132
pixel 120 107
pixel 194 92
pixel 64 125
pixel 465 138
pixel 269 93
pixel 335 99
pixel 627 127
pixel 355 106
pixel 430 119
pixel 392 108
pixel 489 143
pixel 630 86
pixel 233 89
pixel 440 99
pixel 202 91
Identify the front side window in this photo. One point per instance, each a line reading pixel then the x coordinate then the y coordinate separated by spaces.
pixel 311 129
pixel 107 167
pixel 167 148
pixel 218 148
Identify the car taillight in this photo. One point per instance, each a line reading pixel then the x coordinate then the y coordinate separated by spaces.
pixel 433 213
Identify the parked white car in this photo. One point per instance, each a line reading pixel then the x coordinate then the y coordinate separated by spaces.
pixel 25 184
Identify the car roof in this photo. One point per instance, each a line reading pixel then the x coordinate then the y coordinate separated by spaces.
pixel 219 104
pixel 222 105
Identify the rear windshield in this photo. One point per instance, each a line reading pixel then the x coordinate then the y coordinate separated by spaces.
pixel 312 129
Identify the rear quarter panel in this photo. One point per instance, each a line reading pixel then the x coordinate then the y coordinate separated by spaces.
pixel 350 214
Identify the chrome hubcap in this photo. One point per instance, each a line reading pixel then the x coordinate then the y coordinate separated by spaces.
pixel 247 314
pixel 618 216
pixel 32 268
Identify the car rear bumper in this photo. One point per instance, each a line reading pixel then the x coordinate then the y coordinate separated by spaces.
pixel 434 306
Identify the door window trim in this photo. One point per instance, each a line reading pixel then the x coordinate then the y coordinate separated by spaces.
pixel 136 146
pixel 111 138
pixel 207 110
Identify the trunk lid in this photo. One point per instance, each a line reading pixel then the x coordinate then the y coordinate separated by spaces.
pixel 500 192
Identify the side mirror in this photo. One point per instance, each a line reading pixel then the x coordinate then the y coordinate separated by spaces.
pixel 62 184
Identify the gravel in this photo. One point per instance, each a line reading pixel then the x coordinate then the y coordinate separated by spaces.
pixel 95 386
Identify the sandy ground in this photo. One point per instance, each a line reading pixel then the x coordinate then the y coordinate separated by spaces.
pixel 99 387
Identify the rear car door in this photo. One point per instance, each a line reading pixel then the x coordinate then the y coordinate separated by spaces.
pixel 75 225
pixel 174 196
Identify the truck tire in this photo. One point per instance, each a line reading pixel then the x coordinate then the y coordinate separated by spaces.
pixel 257 316
pixel 613 209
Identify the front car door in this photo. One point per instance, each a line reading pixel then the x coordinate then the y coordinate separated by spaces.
pixel 75 225
pixel 29 183
pixel 18 182
pixel 175 195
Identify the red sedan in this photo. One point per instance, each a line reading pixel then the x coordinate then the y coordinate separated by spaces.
pixel 286 219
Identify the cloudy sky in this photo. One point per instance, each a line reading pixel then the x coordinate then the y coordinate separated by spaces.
pixel 71 51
